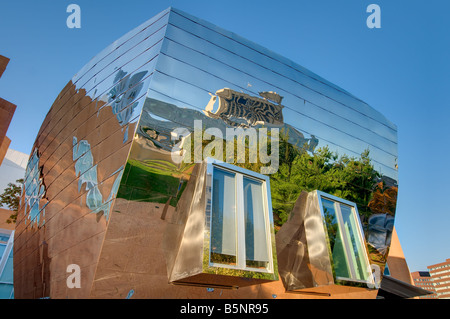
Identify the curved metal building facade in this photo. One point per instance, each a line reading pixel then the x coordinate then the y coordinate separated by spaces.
pixel 133 180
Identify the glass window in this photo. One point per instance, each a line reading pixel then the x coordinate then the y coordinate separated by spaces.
pixel 341 266
pixel 4 238
pixel 348 249
pixel 239 219
pixel 223 227
pixel 7 275
pixel 2 250
pixel 386 271
pixel 6 291
pixel 256 247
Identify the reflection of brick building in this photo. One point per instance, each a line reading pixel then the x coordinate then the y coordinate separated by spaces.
pixel 423 280
pixel 7 110
pixel 3 63
pixel 101 190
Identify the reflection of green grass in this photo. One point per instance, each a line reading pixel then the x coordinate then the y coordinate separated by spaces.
pixel 154 166
pixel 151 181
pixel 217 270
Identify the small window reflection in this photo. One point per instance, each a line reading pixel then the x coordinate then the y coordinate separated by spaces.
pixel 347 245
pixel 341 266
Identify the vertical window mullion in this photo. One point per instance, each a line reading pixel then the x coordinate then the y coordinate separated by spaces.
pixel 210 216
pixel 240 222
pixel 267 224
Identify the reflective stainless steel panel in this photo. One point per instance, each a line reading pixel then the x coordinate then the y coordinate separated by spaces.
pixel 125 126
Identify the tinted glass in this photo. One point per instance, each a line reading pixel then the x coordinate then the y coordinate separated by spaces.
pixel 223 219
pixel 351 234
pixel 340 262
pixel 256 249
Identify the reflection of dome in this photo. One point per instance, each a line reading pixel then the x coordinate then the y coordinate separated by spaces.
pixel 380 228
pixel 273 96
pixel 240 109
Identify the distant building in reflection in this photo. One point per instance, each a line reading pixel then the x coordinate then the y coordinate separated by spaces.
pixel 240 109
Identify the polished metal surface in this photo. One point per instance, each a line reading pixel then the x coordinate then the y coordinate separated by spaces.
pixel 133 130
pixel 302 246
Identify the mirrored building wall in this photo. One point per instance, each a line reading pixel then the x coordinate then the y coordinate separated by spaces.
pixel 108 175
pixel 77 163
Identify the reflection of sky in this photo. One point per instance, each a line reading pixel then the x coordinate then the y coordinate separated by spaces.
pixel 223 227
pixel 380 228
pixel 87 175
pixel 34 191
pixel 123 94
pixel 314 107
pixel 191 97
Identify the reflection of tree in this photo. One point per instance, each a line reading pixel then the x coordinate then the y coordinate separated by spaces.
pixel 349 178
pixel 240 160
pixel 332 227
pixel 336 248
pixel 384 199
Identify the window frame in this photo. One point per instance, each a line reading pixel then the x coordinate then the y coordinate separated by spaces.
pixel 240 174
pixel 5 256
pixel 347 246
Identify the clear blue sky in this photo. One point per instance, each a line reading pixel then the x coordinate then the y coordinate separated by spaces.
pixel 402 70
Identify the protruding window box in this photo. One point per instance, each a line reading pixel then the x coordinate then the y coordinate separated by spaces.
pixel 322 245
pixel 222 234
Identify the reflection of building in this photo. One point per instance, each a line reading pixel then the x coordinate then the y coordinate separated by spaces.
pixel 422 279
pixel 440 275
pixel 102 190
pixel 379 231
pixel 7 110
pixel 235 107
